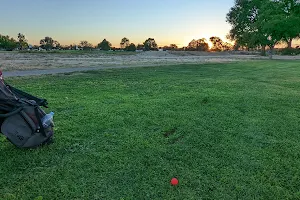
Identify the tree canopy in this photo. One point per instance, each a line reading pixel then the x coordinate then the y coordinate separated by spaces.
pixel 124 43
pixel 48 43
pixel 261 23
pixel 85 45
pixel 281 20
pixel 22 41
pixel 130 47
pixel 150 44
pixel 171 47
pixel 198 45
pixel 7 43
pixel 104 45
pixel 219 44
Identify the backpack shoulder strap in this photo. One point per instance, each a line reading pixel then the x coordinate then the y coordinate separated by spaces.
pixel 11 113
pixel 38 116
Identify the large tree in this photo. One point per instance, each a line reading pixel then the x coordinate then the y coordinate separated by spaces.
pixel 85 45
pixel 104 45
pixel 198 45
pixel 281 20
pixel 48 43
pixel 192 45
pixel 124 43
pixel 245 30
pixel 150 44
pixel 218 44
pixel 261 23
pixel 7 43
pixel 22 41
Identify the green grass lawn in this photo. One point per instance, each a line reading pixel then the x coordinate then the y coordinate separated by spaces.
pixel 226 131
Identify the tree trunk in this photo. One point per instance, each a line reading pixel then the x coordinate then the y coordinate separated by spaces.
pixel 263 50
pixel 289 43
pixel 271 52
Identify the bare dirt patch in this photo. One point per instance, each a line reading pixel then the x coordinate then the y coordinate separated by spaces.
pixel 14 61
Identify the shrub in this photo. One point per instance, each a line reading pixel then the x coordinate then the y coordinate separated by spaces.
pixel 289 51
pixel 131 47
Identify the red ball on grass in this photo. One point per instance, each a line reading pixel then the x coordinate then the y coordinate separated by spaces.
pixel 174 181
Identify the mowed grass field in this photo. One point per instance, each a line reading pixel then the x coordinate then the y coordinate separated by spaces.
pixel 226 131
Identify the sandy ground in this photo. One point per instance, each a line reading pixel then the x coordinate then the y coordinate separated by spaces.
pixel 14 61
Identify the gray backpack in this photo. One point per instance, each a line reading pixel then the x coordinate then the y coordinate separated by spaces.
pixel 21 118
pixel 23 126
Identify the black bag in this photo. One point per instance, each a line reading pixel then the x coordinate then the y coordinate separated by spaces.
pixel 20 118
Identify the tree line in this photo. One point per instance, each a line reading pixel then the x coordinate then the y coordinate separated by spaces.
pixel 264 23
pixel 255 25
pixel 48 43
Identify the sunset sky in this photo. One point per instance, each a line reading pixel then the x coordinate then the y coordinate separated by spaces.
pixel 70 21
